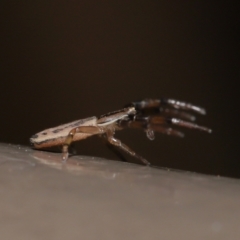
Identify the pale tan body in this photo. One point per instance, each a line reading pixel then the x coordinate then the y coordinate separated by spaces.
pixel 106 125
pixel 78 130
pixel 56 136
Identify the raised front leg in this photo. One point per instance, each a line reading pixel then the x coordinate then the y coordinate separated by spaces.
pixel 158 104
pixel 158 114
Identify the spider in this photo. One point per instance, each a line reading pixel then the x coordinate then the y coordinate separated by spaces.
pixel 152 115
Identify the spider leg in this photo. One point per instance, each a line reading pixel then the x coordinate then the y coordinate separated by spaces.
pixel 178 122
pixel 113 148
pixel 143 122
pixel 83 129
pixel 176 113
pixel 125 148
pixel 164 130
pixel 160 124
pixel 156 104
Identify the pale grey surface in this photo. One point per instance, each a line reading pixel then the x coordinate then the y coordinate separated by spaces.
pixel 93 198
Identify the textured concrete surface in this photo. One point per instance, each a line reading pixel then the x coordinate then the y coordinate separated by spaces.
pixel 93 198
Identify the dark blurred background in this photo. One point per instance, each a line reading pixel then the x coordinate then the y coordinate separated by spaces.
pixel 66 60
